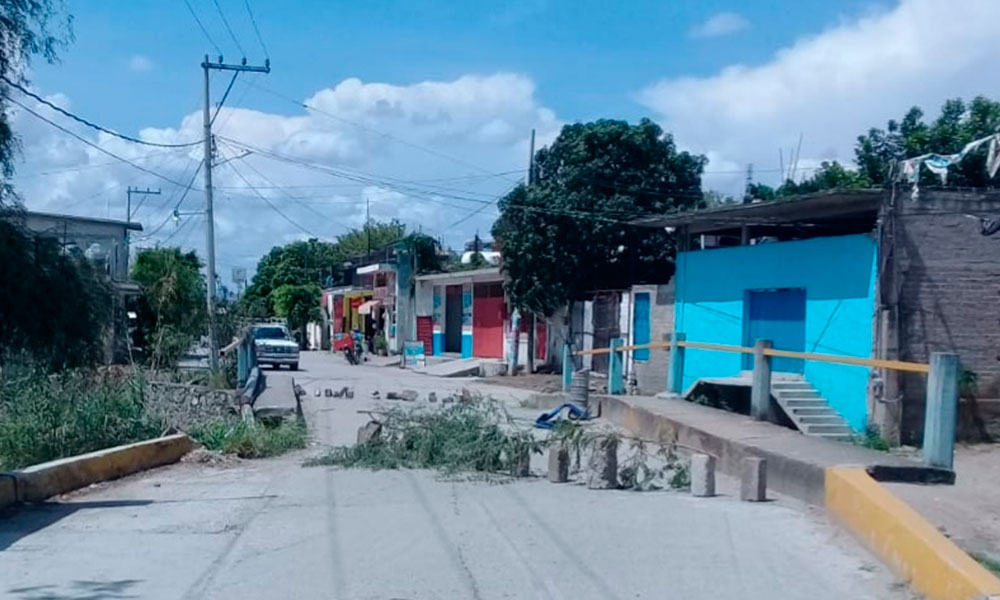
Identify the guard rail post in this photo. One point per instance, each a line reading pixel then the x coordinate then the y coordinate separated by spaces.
pixel 616 380
pixel 675 366
pixel 760 388
pixel 941 410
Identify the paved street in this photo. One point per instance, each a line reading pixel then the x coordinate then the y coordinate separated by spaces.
pixel 273 529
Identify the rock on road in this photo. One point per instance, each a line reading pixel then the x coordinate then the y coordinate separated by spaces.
pixel 274 529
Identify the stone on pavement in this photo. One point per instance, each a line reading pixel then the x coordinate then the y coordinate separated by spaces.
pixel 702 475
pixel 369 432
pixel 753 479
pixel 603 464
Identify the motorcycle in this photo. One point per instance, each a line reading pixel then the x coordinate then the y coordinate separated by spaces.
pixel 353 348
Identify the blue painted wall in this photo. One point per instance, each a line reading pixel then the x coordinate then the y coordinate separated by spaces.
pixel 838 275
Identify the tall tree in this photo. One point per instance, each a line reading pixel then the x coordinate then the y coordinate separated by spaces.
pixel 569 232
pixel 298 263
pixel 374 236
pixel 172 315
pixel 28 28
pixel 958 124
pixel 299 306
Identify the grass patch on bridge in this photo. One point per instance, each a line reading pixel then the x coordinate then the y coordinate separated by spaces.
pixel 250 440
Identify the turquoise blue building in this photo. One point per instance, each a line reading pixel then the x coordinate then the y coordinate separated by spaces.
pixel 803 274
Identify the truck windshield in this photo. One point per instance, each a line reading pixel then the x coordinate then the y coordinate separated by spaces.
pixel 270 333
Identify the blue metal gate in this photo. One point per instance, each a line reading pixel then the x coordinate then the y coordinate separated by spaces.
pixel 779 316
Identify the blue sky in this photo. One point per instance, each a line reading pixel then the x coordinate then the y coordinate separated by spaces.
pixel 588 57
pixel 423 109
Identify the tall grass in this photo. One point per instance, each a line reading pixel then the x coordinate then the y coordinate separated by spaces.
pixel 236 436
pixel 44 417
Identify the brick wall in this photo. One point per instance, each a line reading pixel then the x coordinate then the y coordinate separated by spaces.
pixel 949 289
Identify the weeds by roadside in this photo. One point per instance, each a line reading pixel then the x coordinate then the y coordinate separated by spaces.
pixel 235 436
pixel 45 417
pixel 872 439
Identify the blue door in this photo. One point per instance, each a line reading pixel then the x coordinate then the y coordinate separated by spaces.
pixel 779 316
pixel 640 326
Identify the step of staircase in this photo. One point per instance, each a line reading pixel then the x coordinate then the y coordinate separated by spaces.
pixel 809 411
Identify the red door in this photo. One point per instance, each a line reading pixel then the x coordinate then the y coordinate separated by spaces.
pixel 487 320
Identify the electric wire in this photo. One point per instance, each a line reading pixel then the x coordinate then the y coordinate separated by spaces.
pixel 225 22
pixel 202 27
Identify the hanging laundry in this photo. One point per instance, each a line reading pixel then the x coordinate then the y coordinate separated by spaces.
pixel 938 164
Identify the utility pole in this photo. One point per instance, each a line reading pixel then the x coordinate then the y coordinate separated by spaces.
pixel 128 206
pixel 213 344
pixel 748 191
pixel 530 359
pixel 368 222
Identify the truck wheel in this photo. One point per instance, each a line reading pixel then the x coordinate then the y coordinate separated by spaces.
pixel 294 366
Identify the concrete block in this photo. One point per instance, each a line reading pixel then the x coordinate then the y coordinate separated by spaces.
pixel 558 463
pixel 432 397
pixel 753 479
pixel 702 475
pixel 521 463
pixel 369 432
pixel 603 465
pixel 492 369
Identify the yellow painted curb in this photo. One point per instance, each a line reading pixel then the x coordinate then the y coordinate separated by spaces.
pixel 914 548
pixel 38 482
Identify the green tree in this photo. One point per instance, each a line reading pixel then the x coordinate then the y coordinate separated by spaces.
pixel 298 263
pixel 374 236
pixel 55 306
pixel 28 28
pixel 172 314
pixel 569 232
pixel 298 305
pixel 958 124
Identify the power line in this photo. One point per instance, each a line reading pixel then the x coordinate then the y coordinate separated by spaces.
pixel 268 202
pixel 83 121
pixel 95 146
pixel 170 215
pixel 228 28
pixel 202 27
pixel 256 29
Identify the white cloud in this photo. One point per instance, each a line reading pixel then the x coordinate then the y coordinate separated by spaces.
pixel 831 87
pixel 426 154
pixel 719 24
pixel 140 63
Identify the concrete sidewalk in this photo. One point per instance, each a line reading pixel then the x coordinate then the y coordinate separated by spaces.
pixel 796 463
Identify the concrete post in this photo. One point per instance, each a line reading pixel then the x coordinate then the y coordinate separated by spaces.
pixel 567 374
pixel 941 411
pixel 603 465
pixel 753 479
pixel 702 475
pixel 558 463
pixel 760 389
pixel 675 367
pixel 616 378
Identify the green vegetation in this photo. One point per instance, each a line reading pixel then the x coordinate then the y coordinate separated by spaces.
pixel 877 150
pixel 298 305
pixel 568 232
pixel 45 417
pixel 172 313
pixel 472 436
pixel 872 440
pixel 55 306
pixel 250 440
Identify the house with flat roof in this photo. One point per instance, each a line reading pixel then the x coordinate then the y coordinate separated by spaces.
pixel 856 273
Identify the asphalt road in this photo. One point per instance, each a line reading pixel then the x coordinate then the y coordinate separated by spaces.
pixel 274 529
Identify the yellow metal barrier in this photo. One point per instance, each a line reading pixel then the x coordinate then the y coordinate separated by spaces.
pixel 897 365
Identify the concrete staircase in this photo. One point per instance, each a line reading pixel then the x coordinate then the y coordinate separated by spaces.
pixel 810 412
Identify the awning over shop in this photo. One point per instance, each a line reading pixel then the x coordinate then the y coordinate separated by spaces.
pixel 367 307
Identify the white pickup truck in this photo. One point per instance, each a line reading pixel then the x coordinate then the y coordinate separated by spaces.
pixel 275 346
